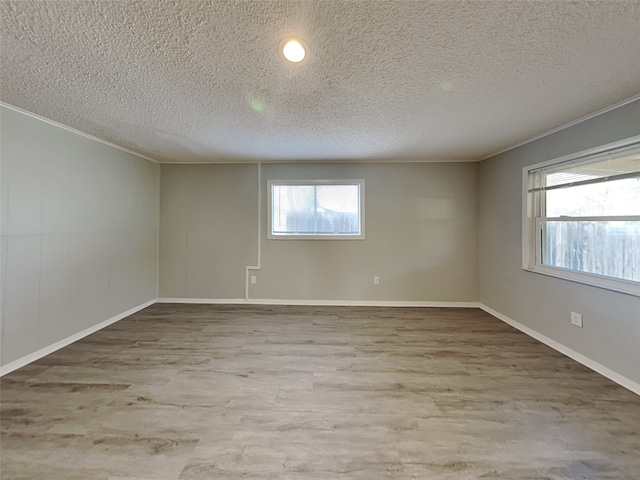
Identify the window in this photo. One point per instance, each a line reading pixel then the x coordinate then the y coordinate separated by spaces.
pixel 582 218
pixel 316 209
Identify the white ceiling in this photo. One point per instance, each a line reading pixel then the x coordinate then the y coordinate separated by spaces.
pixel 383 80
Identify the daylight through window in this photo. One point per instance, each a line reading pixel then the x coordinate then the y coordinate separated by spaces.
pixel 583 219
pixel 316 209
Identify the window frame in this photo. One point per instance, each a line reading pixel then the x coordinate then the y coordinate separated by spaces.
pixel 315 182
pixel 533 233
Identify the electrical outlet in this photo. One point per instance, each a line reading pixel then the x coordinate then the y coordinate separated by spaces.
pixel 253 279
pixel 376 280
pixel 576 319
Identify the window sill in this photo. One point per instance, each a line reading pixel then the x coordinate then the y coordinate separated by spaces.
pixel 620 286
pixel 315 237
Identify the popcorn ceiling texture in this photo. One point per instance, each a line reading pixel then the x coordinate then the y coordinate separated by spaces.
pixel 194 81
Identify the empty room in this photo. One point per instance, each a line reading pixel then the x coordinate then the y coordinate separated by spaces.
pixel 319 239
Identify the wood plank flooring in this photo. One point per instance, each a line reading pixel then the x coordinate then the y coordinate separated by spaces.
pixel 226 392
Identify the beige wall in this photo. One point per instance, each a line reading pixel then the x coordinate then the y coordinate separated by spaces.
pixel 420 235
pixel 208 226
pixel 611 332
pixel 78 233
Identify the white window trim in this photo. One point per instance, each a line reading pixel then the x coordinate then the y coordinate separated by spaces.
pixel 342 181
pixel 530 228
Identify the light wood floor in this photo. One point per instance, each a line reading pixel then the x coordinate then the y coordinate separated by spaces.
pixel 226 392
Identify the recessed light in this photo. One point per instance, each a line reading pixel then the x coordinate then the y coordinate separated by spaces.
pixel 293 49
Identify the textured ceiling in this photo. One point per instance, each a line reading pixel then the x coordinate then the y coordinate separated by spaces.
pixel 195 81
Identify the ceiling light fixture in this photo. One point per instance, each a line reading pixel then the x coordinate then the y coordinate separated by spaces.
pixel 293 49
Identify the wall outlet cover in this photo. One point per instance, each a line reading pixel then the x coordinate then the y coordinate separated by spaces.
pixel 576 319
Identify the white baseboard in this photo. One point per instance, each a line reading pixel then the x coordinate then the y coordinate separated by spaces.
pixel 222 301
pixel 319 303
pixel 578 357
pixel 43 352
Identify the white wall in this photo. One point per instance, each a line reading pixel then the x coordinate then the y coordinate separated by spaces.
pixel 78 233
pixel 420 235
pixel 611 333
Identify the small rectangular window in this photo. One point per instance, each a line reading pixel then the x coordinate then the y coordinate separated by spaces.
pixel 316 209
pixel 582 218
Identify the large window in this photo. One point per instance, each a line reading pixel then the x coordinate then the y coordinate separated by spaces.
pixel 582 217
pixel 316 209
